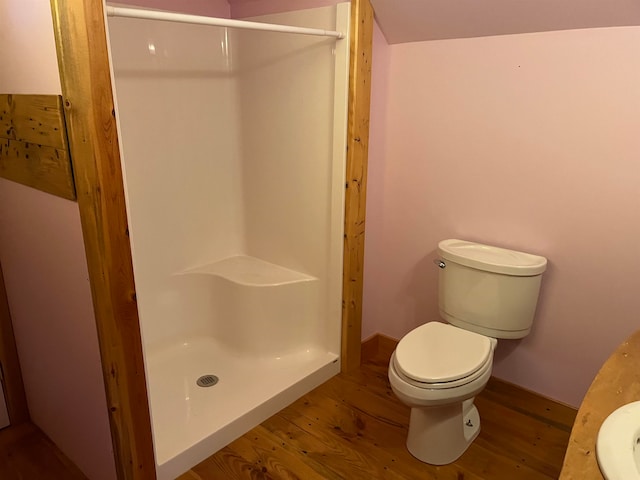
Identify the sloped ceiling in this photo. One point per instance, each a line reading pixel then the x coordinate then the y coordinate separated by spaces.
pixel 417 20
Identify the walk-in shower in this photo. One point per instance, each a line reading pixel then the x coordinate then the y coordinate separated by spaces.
pixel 233 148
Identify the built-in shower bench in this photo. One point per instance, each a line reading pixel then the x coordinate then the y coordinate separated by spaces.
pixel 251 271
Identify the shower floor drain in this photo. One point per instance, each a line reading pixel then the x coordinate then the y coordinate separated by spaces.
pixel 207 381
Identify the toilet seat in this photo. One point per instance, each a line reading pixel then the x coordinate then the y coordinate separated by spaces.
pixel 437 355
pixel 446 385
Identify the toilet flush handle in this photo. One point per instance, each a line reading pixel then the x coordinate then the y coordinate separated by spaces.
pixel 439 263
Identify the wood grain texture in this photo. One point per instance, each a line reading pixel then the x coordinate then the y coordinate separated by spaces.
pixel 356 180
pixel 12 383
pixel 35 119
pixel 369 348
pixel 353 427
pixel 27 454
pixel 89 110
pixel 6 123
pixel 616 384
pixel 33 143
pixel 38 166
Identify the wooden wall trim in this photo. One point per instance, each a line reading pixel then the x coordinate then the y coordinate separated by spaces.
pixel 89 110
pixel 378 345
pixel 13 385
pixel 356 180
pixel 33 143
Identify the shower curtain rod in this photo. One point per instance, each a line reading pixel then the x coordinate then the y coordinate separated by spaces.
pixel 218 22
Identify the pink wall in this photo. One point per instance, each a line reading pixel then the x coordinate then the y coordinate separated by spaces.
pixel 524 141
pixel 212 8
pixel 46 276
pixel 42 255
pixel 230 8
pixel 252 8
pixel 27 48
pixel 420 20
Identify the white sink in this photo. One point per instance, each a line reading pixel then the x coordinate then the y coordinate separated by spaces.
pixel 618 444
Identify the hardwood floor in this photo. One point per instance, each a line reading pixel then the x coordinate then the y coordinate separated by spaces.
pixel 27 454
pixel 353 427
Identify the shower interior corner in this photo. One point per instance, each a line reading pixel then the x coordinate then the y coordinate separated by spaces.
pixel 233 153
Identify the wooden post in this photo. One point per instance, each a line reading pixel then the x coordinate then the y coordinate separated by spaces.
pixel 356 180
pixel 93 141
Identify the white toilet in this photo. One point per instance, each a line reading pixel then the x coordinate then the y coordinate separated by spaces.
pixel 484 293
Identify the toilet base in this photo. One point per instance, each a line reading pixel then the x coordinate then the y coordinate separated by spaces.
pixel 440 435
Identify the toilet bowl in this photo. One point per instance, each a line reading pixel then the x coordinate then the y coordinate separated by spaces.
pixel 440 390
pixel 437 369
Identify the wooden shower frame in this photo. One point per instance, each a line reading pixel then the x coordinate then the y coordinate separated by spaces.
pixel 93 141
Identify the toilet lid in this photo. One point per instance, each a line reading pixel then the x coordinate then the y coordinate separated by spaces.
pixel 436 352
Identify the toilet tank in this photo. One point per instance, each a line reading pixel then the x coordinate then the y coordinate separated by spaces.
pixel 489 290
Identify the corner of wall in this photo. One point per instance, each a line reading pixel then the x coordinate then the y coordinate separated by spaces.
pixel 211 8
pixel 254 8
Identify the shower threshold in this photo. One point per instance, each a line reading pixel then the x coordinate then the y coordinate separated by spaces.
pixel 191 423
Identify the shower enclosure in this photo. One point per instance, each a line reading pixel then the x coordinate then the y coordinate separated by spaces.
pixel 233 148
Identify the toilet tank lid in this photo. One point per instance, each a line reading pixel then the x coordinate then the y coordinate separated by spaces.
pixel 491 259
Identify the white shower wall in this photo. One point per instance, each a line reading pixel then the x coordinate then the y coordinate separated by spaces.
pixel 179 127
pixel 287 104
pixel 228 139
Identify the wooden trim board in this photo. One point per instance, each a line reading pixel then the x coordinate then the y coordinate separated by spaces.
pixel 378 344
pixel 33 143
pixel 83 61
pixel 369 348
pixel 356 180
pixel 13 385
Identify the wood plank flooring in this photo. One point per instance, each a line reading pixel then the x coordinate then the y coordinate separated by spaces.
pixel 27 454
pixel 352 427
